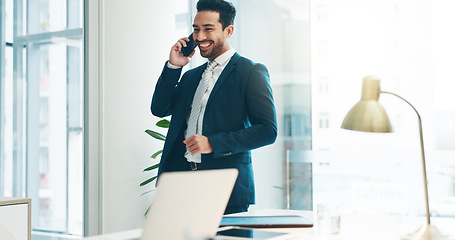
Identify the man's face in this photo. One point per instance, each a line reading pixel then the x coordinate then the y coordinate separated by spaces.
pixel 209 35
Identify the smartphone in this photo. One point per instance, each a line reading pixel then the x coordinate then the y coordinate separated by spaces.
pixel 190 46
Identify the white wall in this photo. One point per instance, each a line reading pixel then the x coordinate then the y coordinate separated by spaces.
pixel 131 47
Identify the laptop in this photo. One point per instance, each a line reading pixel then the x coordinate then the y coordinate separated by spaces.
pixel 189 205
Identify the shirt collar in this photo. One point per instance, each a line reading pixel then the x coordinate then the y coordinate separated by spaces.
pixel 224 58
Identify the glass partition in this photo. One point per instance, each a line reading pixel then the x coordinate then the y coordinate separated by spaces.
pixel 277 34
pixel 407 45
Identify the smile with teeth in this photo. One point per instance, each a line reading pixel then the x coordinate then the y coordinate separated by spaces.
pixel 204 45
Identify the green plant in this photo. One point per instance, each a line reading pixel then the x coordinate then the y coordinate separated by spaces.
pixel 162 123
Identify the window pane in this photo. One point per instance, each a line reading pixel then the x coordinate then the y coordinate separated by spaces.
pixel 412 55
pixel 59 101
pixel 52 136
pixel 264 32
pixel 8 124
pixel 46 16
pixel 9 21
pixel 57 151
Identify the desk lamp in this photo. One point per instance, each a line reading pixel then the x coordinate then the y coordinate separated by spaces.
pixel 368 115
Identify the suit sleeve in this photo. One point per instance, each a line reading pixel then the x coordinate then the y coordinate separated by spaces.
pixel 262 129
pixel 165 90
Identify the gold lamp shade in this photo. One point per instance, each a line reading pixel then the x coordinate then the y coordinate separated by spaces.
pixel 368 115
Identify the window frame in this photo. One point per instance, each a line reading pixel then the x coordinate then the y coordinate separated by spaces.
pixel 2 89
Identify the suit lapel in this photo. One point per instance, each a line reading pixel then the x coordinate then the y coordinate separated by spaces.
pixel 224 75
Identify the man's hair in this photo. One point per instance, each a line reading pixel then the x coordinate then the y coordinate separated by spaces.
pixel 225 8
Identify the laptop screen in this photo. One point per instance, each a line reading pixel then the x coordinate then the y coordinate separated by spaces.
pixel 189 204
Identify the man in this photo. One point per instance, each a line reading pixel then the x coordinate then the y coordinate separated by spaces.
pixel 219 113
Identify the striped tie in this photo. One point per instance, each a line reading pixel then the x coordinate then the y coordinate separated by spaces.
pixel 196 109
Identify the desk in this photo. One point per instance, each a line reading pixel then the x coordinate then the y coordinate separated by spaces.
pixel 15 218
pixel 353 227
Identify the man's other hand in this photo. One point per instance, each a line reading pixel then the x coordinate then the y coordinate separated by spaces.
pixel 198 144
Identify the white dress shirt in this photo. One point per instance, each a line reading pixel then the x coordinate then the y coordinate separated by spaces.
pixel 222 61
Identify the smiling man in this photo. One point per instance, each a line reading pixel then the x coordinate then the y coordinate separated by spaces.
pixel 220 110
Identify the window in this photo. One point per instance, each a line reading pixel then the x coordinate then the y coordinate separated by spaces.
pixel 42 111
pixel 411 51
pixel 264 32
pixel 321 11
pixel 323 120
pixel 323 82
pixel 322 49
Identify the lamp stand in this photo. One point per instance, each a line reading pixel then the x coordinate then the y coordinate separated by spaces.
pixel 428 231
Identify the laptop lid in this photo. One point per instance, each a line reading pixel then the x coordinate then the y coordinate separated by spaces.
pixel 189 204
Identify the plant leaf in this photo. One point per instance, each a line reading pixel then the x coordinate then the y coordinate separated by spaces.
pixel 156 135
pixel 146 212
pixel 163 123
pixel 156 154
pixel 147 192
pixel 152 167
pixel 147 181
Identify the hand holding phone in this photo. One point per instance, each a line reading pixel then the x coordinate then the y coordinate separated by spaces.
pixel 179 55
pixel 190 46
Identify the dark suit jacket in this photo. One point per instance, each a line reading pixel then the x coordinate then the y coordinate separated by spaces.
pixel 240 116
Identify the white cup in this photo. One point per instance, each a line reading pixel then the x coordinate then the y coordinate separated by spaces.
pixel 328 219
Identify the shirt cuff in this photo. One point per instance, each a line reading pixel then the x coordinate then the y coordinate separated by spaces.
pixel 169 65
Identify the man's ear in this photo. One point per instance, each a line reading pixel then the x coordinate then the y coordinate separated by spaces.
pixel 229 30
